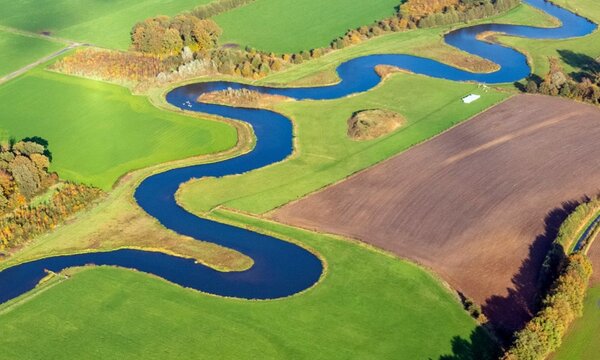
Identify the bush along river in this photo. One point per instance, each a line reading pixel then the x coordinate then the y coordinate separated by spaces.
pixel 280 268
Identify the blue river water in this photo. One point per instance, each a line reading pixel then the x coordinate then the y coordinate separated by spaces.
pixel 280 268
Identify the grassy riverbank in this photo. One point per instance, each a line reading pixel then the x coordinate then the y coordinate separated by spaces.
pixel 368 305
pixel 574 53
pixel 321 160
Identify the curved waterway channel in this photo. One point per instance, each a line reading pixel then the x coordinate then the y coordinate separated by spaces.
pixel 280 268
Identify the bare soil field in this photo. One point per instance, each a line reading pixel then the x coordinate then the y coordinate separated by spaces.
pixel 479 204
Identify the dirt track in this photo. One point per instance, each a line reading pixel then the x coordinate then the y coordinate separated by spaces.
pixel 478 204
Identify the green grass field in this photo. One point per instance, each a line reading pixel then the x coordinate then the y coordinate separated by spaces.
pixel 100 22
pixel 323 159
pixel 369 305
pixel 97 132
pixel 17 51
pixel 291 25
pixel 583 339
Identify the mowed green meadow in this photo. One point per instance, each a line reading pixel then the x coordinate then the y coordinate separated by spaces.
pixel 97 132
pixel 104 23
pixel 291 25
pixel 17 51
pixel 583 339
pixel 369 306
pixel 324 152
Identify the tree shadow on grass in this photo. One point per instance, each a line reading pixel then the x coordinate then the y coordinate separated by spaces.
pixel 522 85
pixel 587 65
pixel 479 346
pixel 508 314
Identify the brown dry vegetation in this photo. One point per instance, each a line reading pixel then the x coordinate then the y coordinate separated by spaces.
pixel 386 70
pixel 242 98
pixel 371 124
pixel 456 58
pixel 480 204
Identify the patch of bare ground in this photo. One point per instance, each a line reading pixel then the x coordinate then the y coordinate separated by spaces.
pixel 242 98
pixel 372 124
pixel 479 204
pixel 489 36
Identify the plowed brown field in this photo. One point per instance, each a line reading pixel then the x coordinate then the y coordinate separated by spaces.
pixel 478 204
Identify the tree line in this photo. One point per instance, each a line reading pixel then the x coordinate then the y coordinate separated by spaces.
pixel 23 176
pixel 558 83
pixel 568 277
pixel 121 67
pixel 543 334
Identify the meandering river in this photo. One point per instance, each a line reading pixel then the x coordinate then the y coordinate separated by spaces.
pixel 280 268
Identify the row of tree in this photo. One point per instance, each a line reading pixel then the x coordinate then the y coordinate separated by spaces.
pixel 558 83
pixel 426 13
pixel 467 10
pixel 115 66
pixel 565 280
pixel 564 302
pixel 27 221
pixel 417 9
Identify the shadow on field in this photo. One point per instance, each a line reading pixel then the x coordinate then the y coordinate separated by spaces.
pixel 507 314
pixel 522 85
pixel 588 66
pixel 479 346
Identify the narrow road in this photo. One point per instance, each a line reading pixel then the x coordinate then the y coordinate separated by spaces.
pixel 26 68
pixel 70 45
